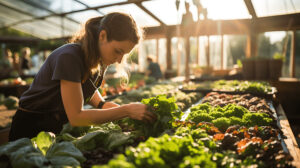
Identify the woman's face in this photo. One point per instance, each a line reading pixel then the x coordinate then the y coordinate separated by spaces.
pixel 113 51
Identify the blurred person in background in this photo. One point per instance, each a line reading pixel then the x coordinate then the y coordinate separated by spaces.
pixel 71 77
pixel 6 64
pixel 25 61
pixel 8 57
pixel 16 64
pixel 153 69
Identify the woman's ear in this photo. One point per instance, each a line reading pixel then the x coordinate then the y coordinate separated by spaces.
pixel 102 36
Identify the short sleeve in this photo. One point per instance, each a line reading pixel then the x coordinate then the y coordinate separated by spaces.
pixel 67 67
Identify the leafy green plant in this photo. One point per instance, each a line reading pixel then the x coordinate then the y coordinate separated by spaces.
pixel 41 151
pixel 119 161
pixel 231 114
pixel 239 63
pixel 279 56
pixel 166 111
pixel 108 136
pixel 166 151
pixel 242 86
pixel 259 119
pixel 11 102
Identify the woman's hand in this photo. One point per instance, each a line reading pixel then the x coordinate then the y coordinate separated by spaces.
pixel 139 111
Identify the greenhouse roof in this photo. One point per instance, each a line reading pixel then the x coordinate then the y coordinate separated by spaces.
pixel 48 19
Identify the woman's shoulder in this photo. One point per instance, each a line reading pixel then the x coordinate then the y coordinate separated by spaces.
pixel 70 48
pixel 67 50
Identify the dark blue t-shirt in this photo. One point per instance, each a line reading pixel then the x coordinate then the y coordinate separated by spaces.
pixel 155 70
pixel 64 63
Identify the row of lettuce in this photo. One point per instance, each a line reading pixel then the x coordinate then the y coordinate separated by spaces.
pixel 254 87
pixel 211 136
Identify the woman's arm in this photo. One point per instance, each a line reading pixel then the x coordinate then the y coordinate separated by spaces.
pixel 73 103
pixel 97 98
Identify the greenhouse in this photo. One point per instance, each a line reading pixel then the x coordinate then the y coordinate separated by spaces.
pixel 149 83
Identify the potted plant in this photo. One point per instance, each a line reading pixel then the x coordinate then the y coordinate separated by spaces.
pixel 248 66
pixel 197 71
pixel 275 66
pixel 207 70
pixel 261 68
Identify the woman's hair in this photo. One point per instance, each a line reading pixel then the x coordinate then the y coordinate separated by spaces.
pixel 151 58
pixel 118 26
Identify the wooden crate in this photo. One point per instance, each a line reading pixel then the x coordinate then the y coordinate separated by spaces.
pixel 290 140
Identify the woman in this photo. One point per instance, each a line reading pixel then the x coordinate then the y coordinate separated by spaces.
pixel 16 63
pixel 71 76
pixel 25 62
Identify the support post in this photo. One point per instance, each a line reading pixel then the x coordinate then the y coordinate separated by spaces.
pixel 251 49
pixel 222 51
pixel 187 58
pixel 157 50
pixel 197 50
pixel 207 53
pixel 169 57
pixel 178 56
pixel 293 54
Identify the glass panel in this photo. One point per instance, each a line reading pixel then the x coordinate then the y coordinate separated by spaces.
pixel 8 16
pixel 41 29
pixel 25 7
pixel 174 52
pixel 217 9
pixel 162 54
pixel 229 9
pixel 193 50
pixel 182 45
pixel 270 43
pixel 93 3
pixel 68 25
pixel 234 49
pixel 203 40
pixel 193 55
pixel 147 47
pixel 82 17
pixel 27 28
pixel 275 7
pixel 58 6
pixel 142 18
pixel 165 10
pixel 215 51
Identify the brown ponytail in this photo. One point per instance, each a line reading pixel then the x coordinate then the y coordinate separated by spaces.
pixel 118 26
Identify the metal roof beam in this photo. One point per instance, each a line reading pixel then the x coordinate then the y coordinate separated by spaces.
pixel 239 26
pixel 26 13
pixel 75 11
pixel 250 8
pixel 88 6
pixel 46 9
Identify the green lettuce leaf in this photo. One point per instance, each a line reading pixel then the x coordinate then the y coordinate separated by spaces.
pixel 44 140
pixel 59 152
